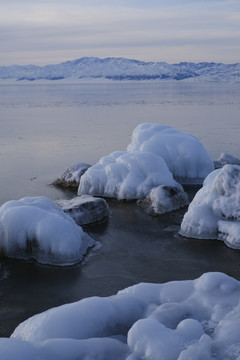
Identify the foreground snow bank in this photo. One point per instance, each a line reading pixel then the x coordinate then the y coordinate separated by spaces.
pixel 214 212
pixel 125 175
pixel 183 153
pixel 35 227
pixel 180 320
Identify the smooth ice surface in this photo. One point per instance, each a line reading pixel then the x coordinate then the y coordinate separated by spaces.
pixel 164 199
pixel 35 227
pixel 85 209
pixel 183 153
pixel 179 320
pixel 126 175
pixel 214 212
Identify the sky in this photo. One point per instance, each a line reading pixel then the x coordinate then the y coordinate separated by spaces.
pixel 52 31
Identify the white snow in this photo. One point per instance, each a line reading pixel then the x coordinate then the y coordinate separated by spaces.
pixel 164 199
pixel 179 320
pixel 126 175
pixel 183 153
pixel 35 227
pixel 85 209
pixel 214 212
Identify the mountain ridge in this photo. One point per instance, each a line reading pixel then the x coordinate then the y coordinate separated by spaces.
pixel 119 68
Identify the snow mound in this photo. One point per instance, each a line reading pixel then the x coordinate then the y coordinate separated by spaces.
pixel 214 212
pixel 180 320
pixel 71 176
pixel 164 199
pixel 126 175
pixel 184 154
pixel 35 227
pixel 85 209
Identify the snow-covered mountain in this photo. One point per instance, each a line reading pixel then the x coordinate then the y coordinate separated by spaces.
pixel 123 69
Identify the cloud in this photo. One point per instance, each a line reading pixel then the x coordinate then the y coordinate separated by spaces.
pixel 176 30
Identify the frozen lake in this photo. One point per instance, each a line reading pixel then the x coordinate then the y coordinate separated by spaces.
pixel 45 128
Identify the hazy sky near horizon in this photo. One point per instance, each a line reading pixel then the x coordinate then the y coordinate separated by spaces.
pixel 51 31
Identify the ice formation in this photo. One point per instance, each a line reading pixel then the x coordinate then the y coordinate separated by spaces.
pixel 179 320
pixel 214 212
pixel 164 199
pixel 71 176
pixel 184 154
pixel 224 159
pixel 35 227
pixel 85 209
pixel 126 175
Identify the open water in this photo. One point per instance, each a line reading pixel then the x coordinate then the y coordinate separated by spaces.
pixel 46 127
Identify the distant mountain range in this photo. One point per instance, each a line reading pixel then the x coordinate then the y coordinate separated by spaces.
pixel 123 69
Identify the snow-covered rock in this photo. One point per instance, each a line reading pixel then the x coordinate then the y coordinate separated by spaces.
pixel 85 209
pixel 226 159
pixel 184 154
pixel 179 320
pixel 71 176
pixel 214 212
pixel 164 199
pixel 36 228
pixel 126 175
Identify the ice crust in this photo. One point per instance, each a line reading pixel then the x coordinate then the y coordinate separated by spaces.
pixel 85 209
pixel 126 175
pixel 214 212
pixel 179 320
pixel 35 227
pixel 184 154
pixel 164 199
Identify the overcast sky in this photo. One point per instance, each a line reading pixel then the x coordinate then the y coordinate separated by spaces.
pixel 52 31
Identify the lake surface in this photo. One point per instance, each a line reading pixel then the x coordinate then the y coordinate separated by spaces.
pixel 46 127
